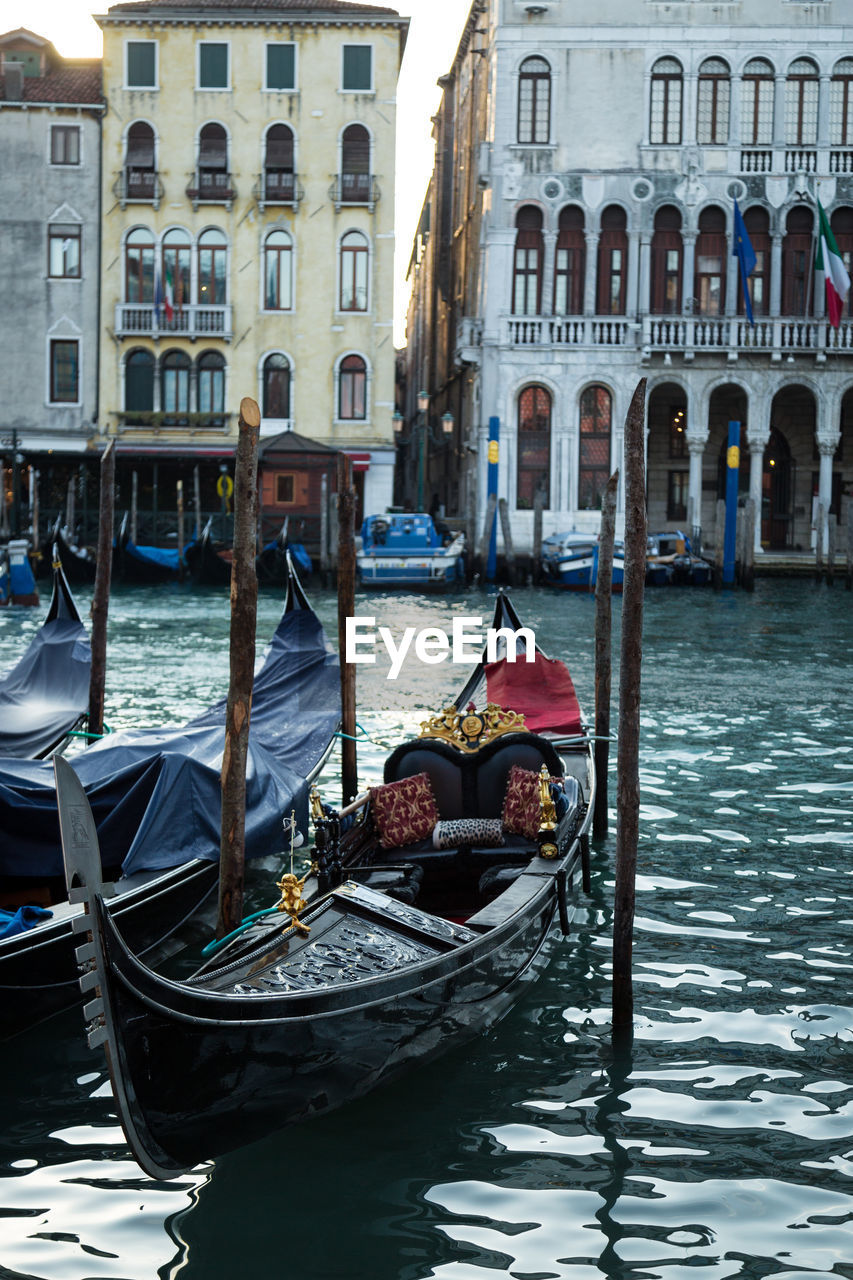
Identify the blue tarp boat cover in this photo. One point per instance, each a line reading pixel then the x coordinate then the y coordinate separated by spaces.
pixel 156 793
pixel 44 696
pixel 163 557
pixel 12 922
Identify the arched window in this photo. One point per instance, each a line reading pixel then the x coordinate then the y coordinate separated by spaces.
pixel 712 111
pixel 211 384
pixel 665 118
pixel 278 272
pixel 139 382
pixel 666 262
pixel 534 101
pixel 594 460
pixel 842 228
pixel 801 96
pixel 612 262
pixel 569 263
pixel 354 258
pixel 213 179
pixel 177 253
pixel 139 162
pixel 841 104
pixel 212 262
pixel 758 91
pixel 355 165
pixel 352 388
pixel 139 266
pixel 534 446
pixel 276 390
pixel 175 384
pixel 757 223
pixel 527 270
pixel 709 283
pixel 796 262
pixel 278 164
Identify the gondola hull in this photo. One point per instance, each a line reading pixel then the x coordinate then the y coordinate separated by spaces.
pixel 38 972
pixel 202 1073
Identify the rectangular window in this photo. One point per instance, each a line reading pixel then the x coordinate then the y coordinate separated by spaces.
pixel 285 489
pixel 63 252
pixel 281 66
pixel 357 68
pixel 65 144
pixel 64 372
pixel 141 64
pixel 212 65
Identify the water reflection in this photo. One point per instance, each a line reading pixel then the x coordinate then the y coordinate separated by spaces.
pixel 722 1147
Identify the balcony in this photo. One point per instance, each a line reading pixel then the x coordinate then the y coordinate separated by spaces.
pixel 278 188
pixel 779 338
pixel 154 422
pixel 354 189
pixel 571 331
pixel 138 186
pixel 139 320
pixel 211 186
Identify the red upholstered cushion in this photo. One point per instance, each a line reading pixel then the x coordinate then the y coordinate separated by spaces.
pixel 522 806
pixel 404 811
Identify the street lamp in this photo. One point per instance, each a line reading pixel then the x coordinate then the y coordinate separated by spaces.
pixel 425 431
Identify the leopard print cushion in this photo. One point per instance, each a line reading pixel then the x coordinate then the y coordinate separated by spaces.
pixel 522 807
pixel 457 832
pixel 404 811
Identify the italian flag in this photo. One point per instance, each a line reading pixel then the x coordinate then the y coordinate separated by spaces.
pixel 830 267
pixel 169 296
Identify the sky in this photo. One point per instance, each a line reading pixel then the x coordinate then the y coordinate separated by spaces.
pixel 433 36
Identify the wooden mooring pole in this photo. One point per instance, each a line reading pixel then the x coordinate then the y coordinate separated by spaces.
pixel 101 596
pixel 603 660
pixel 509 550
pixel 747 575
pixel 848 575
pixel 538 507
pixel 244 612
pixel 628 757
pixel 346 609
pixel 179 502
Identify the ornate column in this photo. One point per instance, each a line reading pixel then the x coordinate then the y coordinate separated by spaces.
pixel 758 438
pixel 826 446
pixel 631 305
pixel 776 274
pixel 547 305
pixel 688 272
pixel 644 301
pixel 696 448
pixel 590 272
pixel 779 111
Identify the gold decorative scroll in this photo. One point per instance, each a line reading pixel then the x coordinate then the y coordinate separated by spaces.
pixel 468 731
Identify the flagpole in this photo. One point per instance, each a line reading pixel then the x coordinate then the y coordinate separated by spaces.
pixel 812 257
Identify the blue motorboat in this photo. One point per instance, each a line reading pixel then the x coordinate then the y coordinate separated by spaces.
pixel 570 560
pixel 17 584
pixel 409 550
pixel 671 561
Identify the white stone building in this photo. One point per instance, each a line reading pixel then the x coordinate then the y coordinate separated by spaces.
pixel 578 235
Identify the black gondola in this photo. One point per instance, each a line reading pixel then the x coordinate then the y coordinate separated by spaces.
pixel 45 696
pixel 156 795
pixel 142 564
pixel 395 954
pixel 209 561
pixel 78 563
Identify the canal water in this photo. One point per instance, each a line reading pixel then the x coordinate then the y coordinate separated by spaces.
pixel 721 1146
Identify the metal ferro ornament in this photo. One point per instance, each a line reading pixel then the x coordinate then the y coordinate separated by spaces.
pixel 547 816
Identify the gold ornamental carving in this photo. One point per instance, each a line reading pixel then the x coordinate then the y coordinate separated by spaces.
pixel 468 731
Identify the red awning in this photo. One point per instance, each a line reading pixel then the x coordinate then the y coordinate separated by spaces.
pixel 360 461
pixel 541 691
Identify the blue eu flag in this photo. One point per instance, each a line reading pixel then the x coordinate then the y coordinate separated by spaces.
pixel 745 255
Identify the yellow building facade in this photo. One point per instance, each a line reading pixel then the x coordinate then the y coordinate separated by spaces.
pixel 248 227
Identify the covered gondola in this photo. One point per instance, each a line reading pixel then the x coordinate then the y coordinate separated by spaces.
pixel 143 564
pixel 45 696
pixel 417 927
pixel 155 795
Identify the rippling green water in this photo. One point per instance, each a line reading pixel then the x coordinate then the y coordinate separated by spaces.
pixel 722 1147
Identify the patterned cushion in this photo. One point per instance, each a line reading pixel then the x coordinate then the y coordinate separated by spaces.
pixel 522 807
pixel 404 811
pixel 486 832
